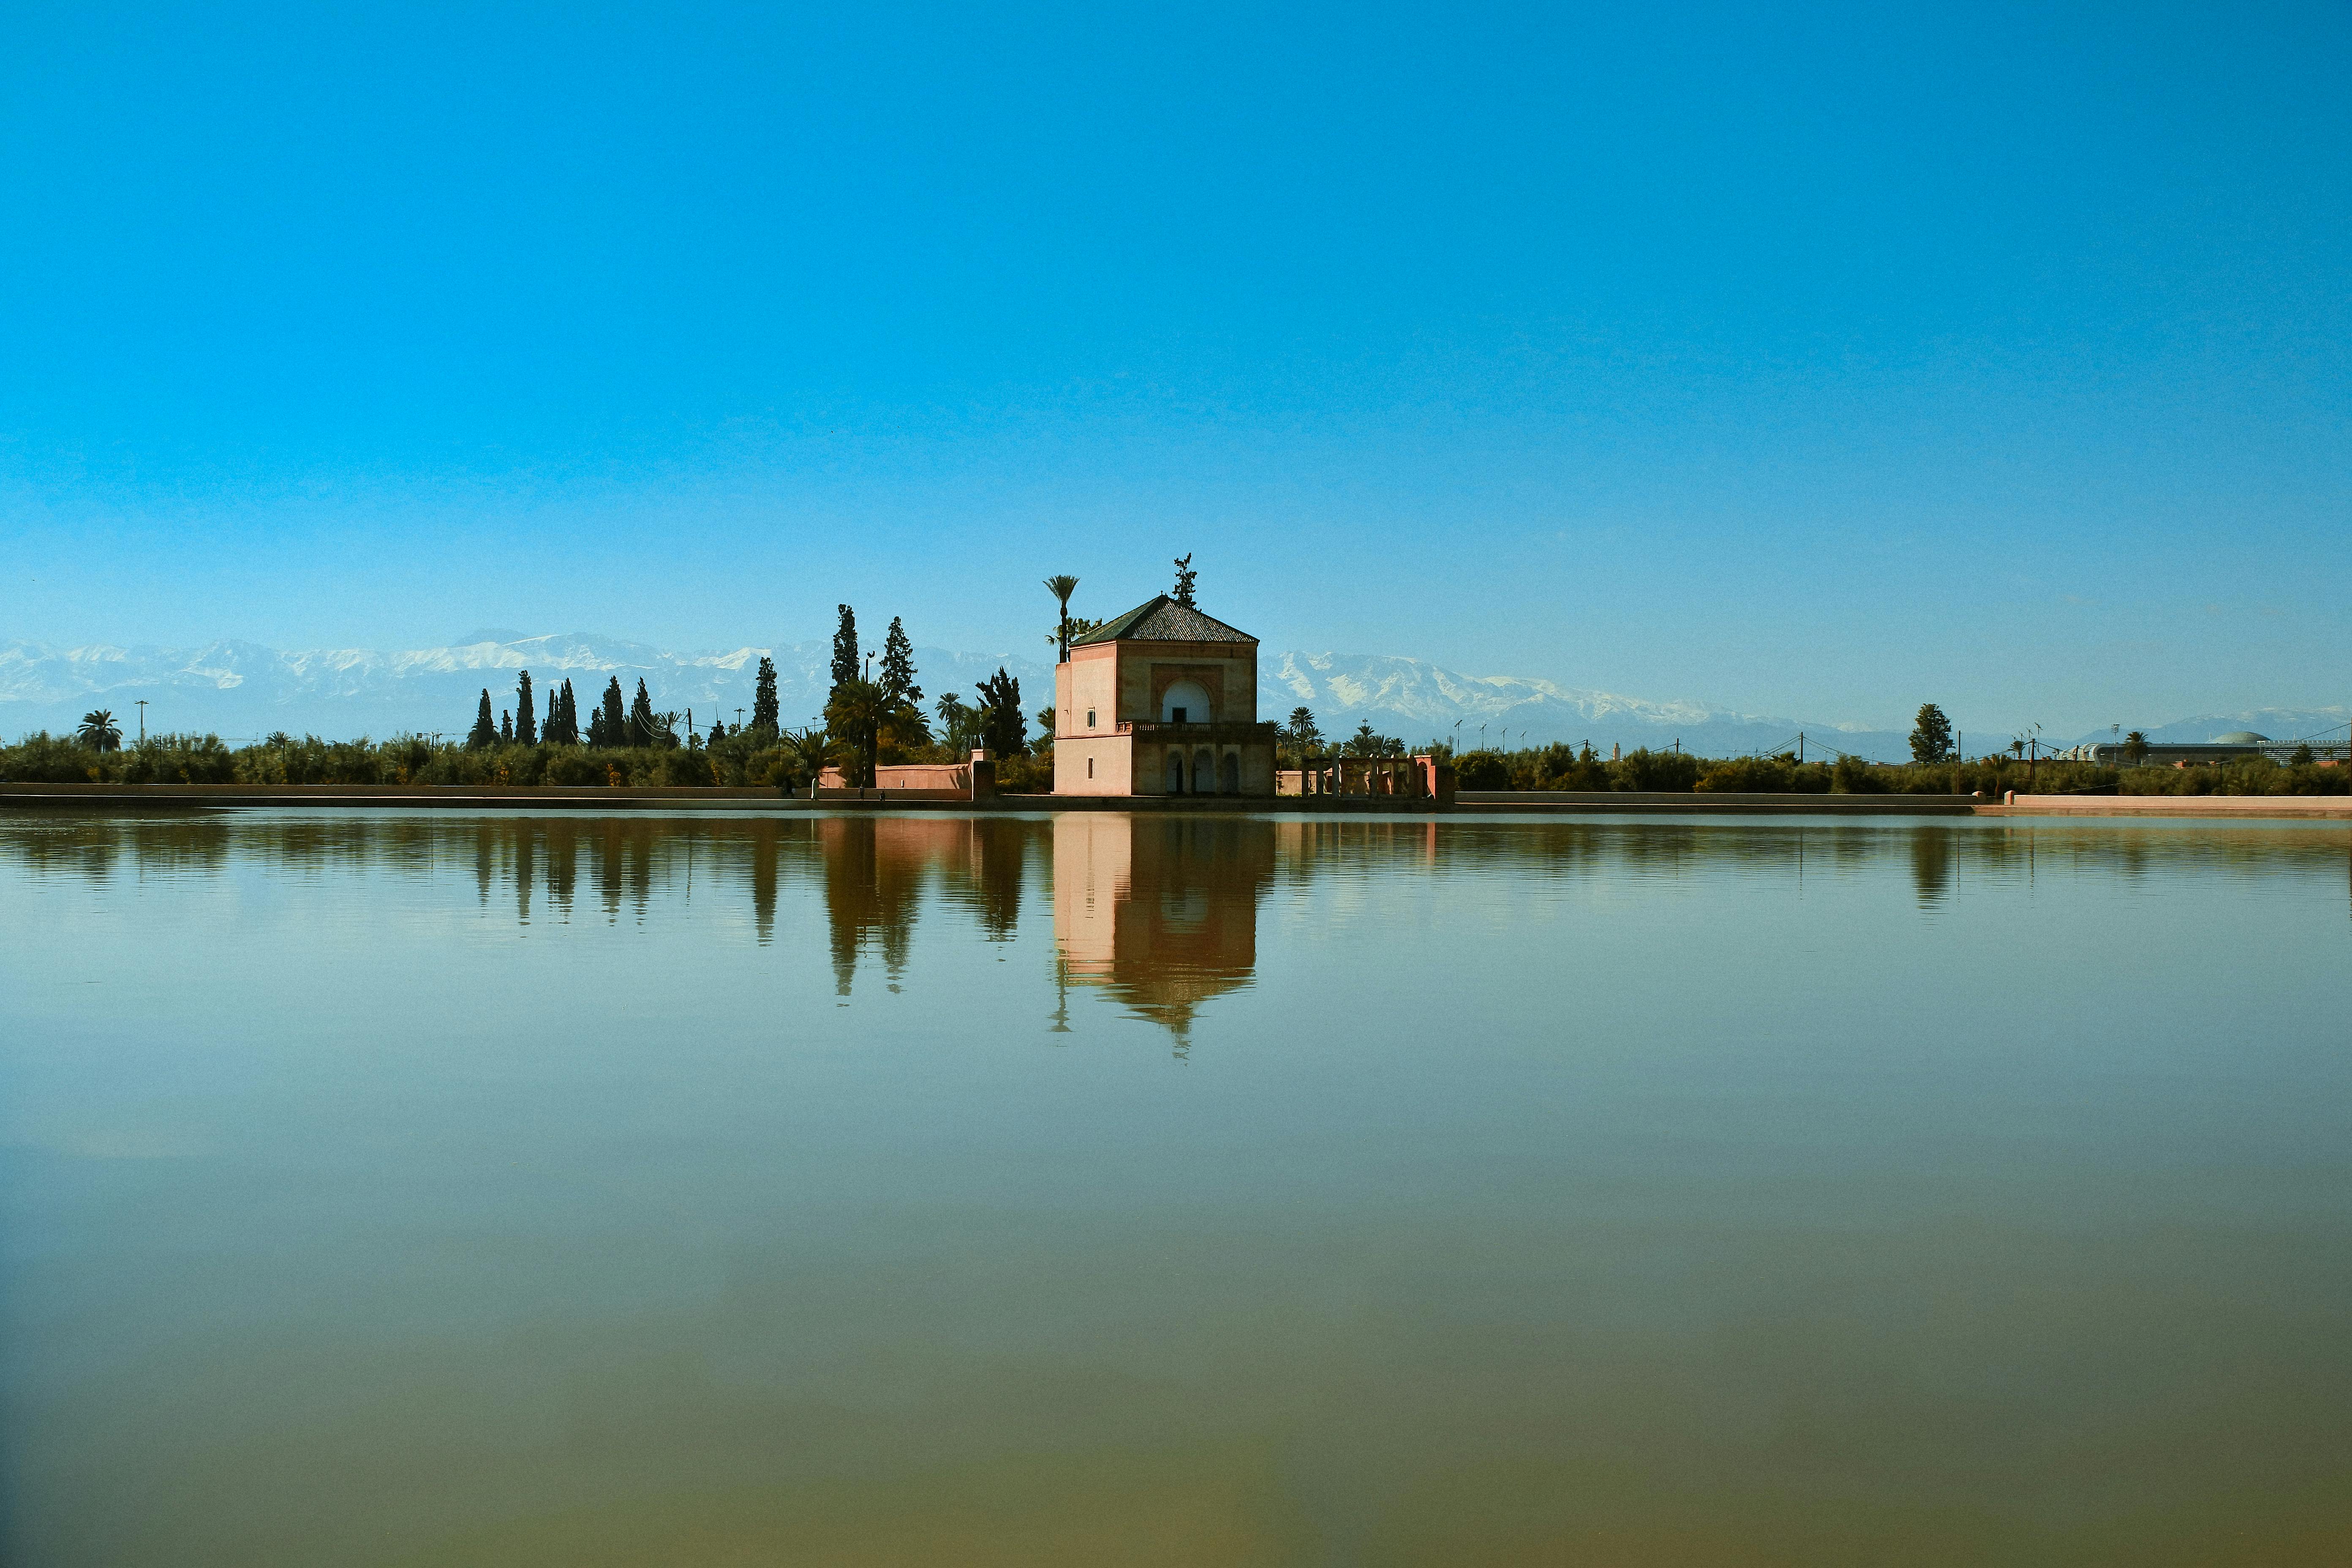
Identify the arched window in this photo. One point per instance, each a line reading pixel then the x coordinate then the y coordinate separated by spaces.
pixel 1185 704
pixel 1175 772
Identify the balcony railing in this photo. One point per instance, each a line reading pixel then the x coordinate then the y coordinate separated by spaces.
pixel 1165 730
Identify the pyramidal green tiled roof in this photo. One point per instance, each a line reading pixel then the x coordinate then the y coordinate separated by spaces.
pixel 1162 620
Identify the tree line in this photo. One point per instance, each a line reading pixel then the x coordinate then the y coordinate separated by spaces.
pixel 871 717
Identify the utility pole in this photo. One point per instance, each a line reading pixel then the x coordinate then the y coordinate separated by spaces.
pixel 143 720
pixel 1801 745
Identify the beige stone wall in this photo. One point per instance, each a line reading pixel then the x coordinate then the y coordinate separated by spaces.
pixel 1253 767
pixel 1112 756
pixel 1122 683
pixel 1089 681
pixel 1227 670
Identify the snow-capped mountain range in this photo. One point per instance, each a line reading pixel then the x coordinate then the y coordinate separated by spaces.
pixel 241 689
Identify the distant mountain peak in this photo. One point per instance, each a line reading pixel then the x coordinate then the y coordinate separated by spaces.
pixel 240 689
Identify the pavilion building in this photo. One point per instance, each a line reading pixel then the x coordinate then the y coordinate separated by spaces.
pixel 1161 700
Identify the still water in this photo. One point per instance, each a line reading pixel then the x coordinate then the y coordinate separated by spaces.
pixel 532 1191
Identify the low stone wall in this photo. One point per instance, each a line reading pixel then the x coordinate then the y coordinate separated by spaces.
pixel 465 796
pixel 2320 807
pixel 1567 802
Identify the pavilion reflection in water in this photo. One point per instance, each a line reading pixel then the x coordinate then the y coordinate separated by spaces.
pixel 1160 910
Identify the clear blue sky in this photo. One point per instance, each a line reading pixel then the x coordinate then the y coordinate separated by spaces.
pixel 1809 359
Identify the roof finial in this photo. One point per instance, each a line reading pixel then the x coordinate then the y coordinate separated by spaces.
pixel 1184 575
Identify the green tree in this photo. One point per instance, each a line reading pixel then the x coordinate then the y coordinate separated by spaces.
pixel 485 732
pixel 960 724
pixel 1062 586
pixel 526 720
pixel 1302 733
pixel 1005 730
pixel 857 713
pixel 506 728
pixel 1184 575
pixel 2136 748
pixel 767 714
pixel 608 726
pixel 898 665
pixel 1853 775
pixel 845 649
pixel 811 752
pixel 98 730
pixel 643 725
pixel 1931 735
pixel 553 732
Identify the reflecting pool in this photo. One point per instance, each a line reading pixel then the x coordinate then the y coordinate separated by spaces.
pixel 409 1190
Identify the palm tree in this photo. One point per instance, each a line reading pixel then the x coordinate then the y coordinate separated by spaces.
pixel 1062 586
pixel 856 714
pixel 865 714
pixel 812 750
pixel 98 730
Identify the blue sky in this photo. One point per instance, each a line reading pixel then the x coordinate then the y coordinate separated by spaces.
pixel 1811 360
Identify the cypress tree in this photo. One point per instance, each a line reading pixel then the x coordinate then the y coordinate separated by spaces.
pixel 845 649
pixel 767 716
pixel 485 733
pixel 610 728
pixel 898 665
pixel 569 706
pixel 506 728
pixel 526 726
pixel 641 716
pixel 1004 729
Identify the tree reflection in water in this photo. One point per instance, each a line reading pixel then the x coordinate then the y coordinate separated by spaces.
pixel 878 870
pixel 1158 911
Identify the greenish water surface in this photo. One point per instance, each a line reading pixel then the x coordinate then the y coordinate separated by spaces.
pixel 403 1190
